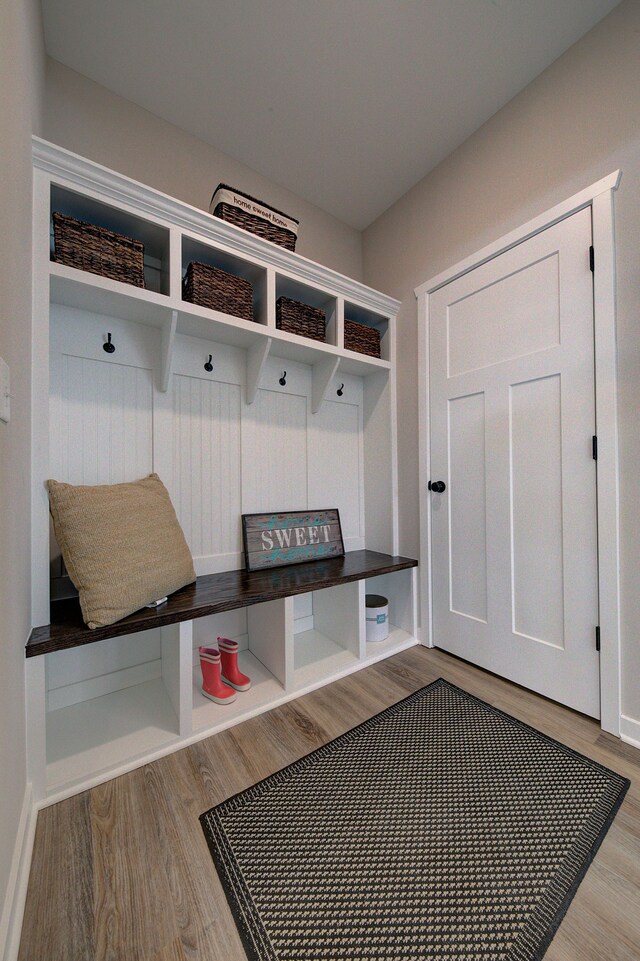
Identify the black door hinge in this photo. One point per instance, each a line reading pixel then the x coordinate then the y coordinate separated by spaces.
pixel 592 260
pixel 594 447
pixel 598 638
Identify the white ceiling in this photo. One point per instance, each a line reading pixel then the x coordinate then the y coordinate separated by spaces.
pixel 346 102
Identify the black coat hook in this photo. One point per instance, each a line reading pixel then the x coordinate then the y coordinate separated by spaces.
pixel 208 366
pixel 108 347
pixel 283 379
pixel 340 390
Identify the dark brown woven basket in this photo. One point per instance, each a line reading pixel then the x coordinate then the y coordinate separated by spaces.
pixel 297 318
pixel 360 337
pixel 98 250
pixel 254 224
pixel 215 288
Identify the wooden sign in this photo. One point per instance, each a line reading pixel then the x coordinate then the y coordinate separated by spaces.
pixel 275 540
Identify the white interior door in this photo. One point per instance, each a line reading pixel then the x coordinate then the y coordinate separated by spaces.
pixel 514 537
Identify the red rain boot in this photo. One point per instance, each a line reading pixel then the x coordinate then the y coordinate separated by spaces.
pixel 212 685
pixel 230 672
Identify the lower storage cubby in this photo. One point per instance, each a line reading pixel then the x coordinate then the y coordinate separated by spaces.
pixel 331 645
pixel 259 631
pixel 110 703
pixel 400 589
pixel 97 735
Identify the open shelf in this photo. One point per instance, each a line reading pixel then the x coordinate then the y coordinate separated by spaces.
pixel 155 237
pixel 313 297
pixel 100 734
pixel 81 290
pixel 195 250
pixel 316 657
pixel 397 640
pixel 264 690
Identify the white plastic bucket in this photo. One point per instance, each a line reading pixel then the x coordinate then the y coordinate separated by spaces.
pixel 377 613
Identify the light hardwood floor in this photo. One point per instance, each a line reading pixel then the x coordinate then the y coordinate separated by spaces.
pixel 123 873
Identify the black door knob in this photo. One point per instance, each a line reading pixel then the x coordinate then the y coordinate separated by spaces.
pixel 438 487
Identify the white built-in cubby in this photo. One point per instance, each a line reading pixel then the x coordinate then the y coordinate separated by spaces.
pixel 197 396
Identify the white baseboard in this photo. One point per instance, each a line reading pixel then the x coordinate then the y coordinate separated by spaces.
pixel 13 908
pixel 630 730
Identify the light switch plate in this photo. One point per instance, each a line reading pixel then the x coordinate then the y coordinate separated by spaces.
pixel 4 391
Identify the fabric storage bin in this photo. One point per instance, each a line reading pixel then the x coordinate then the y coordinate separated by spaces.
pixel 213 287
pixel 297 318
pixel 361 337
pixel 97 250
pixel 253 215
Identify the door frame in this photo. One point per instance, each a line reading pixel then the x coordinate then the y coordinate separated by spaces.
pixel 599 197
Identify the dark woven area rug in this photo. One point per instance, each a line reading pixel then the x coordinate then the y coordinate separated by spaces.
pixel 441 828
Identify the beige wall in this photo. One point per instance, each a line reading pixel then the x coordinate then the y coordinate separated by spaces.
pixel 21 77
pixel 574 124
pixel 89 120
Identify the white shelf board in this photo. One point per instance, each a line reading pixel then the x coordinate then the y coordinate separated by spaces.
pixel 361 364
pixel 82 290
pixel 264 690
pixel 317 657
pixel 100 295
pixel 294 347
pixel 196 321
pixel 105 732
pixel 397 640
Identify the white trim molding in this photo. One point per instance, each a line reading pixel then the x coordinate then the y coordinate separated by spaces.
pixel 16 895
pixel 598 197
pixel 630 731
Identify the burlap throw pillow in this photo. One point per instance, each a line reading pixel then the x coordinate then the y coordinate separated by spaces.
pixel 122 545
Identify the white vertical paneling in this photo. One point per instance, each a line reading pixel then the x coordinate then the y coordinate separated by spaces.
pixel 274 453
pixel 335 466
pixel 467 506
pixel 536 510
pixel 206 464
pixel 101 421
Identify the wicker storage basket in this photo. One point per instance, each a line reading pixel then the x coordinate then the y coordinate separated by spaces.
pixel 214 288
pixel 255 216
pixel 360 337
pixel 299 318
pixel 98 250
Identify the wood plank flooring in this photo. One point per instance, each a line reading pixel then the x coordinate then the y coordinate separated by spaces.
pixel 123 873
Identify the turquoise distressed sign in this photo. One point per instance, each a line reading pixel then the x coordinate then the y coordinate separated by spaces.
pixel 278 539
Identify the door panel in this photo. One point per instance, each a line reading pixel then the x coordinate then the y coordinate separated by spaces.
pixel 468 554
pixel 512 416
pixel 536 491
pixel 477 336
